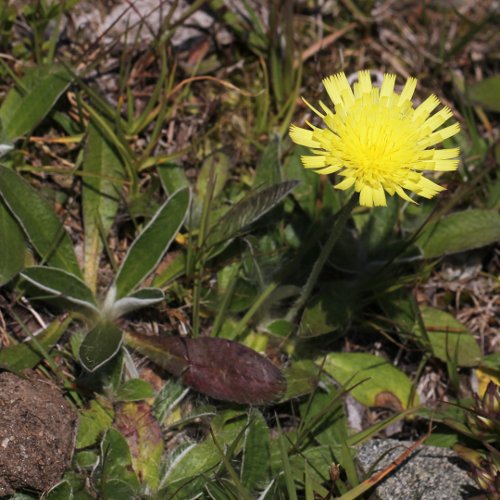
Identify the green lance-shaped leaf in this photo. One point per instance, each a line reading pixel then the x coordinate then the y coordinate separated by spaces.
pixel 247 211
pixel 459 232
pixel 256 452
pixel 380 383
pixel 42 227
pixel 450 340
pixel 117 478
pixel 219 368
pixel 144 437
pixel 11 246
pixel 94 421
pixel 135 389
pixel 100 345
pixel 27 354
pixel 25 107
pixel 103 175
pixel 144 297
pixel 59 283
pixel 149 247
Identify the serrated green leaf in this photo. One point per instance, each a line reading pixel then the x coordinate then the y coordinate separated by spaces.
pixel 486 93
pixel 24 108
pixel 385 385
pixel 149 247
pixel 94 421
pixel 247 211
pixel 26 354
pixel 459 232
pixel 11 246
pixel 135 389
pixel 103 175
pixel 41 226
pixel 450 340
pixel 62 284
pixel 100 345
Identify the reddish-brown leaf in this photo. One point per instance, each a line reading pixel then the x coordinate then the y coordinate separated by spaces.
pixel 219 368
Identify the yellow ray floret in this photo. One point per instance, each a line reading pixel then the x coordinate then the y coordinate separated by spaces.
pixel 376 139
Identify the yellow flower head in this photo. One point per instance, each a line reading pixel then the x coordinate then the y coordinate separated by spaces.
pixel 377 140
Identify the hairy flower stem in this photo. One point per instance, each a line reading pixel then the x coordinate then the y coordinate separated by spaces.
pixel 339 224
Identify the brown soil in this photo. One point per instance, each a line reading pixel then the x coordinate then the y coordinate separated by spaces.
pixel 37 429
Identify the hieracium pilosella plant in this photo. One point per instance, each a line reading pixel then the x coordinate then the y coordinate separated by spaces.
pixel 377 141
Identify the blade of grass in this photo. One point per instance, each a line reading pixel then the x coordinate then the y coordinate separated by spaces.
pixel 121 146
pixel 169 29
pixel 309 492
pixel 287 468
pixel 262 102
pixel 199 263
pixel 242 324
pixel 228 295
pixel 161 86
pixel 163 111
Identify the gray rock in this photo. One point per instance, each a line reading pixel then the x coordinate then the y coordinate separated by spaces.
pixel 429 473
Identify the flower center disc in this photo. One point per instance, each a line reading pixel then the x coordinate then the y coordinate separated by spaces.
pixel 376 140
